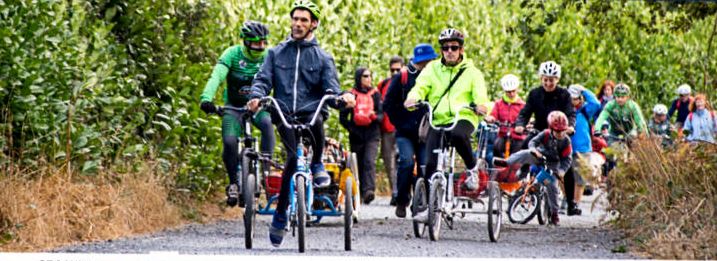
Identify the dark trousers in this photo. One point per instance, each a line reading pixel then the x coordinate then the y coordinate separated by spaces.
pixel 459 137
pixel 408 148
pixel 366 154
pixel 290 139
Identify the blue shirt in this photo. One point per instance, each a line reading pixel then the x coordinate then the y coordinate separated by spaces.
pixel 582 138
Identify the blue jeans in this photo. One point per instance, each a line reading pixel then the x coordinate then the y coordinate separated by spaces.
pixel 407 149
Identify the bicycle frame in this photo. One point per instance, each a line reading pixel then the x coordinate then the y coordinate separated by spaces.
pixel 301 166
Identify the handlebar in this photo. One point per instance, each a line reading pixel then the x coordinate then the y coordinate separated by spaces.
pixel 430 113
pixel 272 101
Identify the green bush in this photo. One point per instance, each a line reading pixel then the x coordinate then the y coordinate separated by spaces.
pixel 92 83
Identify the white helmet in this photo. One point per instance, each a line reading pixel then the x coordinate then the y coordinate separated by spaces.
pixel 684 89
pixel 509 82
pixel 549 68
pixel 660 109
pixel 576 90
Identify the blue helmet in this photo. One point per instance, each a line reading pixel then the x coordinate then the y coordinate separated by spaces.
pixel 423 52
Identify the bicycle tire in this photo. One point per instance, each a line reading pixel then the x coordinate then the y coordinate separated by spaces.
pixel 348 214
pixel 419 202
pixel 301 211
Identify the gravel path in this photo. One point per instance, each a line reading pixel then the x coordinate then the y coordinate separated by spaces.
pixel 380 233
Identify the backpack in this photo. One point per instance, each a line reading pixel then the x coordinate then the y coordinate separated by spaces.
pixel 679 102
pixel 364 112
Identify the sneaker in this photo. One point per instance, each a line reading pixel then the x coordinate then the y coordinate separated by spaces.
pixel 574 211
pixel 401 211
pixel 421 216
pixel 277 229
pixel 393 202
pixel 471 182
pixel 232 191
pixel 368 197
pixel 321 178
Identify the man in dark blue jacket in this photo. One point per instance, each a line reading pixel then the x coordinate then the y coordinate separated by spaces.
pixel 406 123
pixel 300 73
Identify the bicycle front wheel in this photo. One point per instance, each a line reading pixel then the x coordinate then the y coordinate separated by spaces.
pixel 435 208
pixel 419 203
pixel 301 211
pixel 495 211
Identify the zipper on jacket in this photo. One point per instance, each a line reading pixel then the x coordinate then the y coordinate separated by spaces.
pixel 296 74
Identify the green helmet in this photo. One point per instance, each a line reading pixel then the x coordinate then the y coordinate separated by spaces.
pixel 621 89
pixel 308 5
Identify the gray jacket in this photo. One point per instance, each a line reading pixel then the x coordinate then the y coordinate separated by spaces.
pixel 300 73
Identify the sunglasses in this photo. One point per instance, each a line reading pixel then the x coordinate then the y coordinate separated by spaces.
pixel 366 76
pixel 395 70
pixel 454 48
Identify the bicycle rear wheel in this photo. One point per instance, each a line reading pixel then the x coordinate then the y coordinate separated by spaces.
pixel 495 211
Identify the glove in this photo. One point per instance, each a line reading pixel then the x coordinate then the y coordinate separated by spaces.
pixel 208 107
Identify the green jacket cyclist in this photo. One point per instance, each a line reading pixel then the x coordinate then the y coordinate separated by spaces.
pixel 238 65
pixel 622 115
pixel 432 85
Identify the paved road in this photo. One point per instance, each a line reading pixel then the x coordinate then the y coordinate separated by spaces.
pixel 380 233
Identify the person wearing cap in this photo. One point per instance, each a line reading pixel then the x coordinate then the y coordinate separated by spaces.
pixel 586 108
pixel 406 123
pixel 505 113
pixel 681 105
pixel 659 126
pixel 388 131
pixel 621 116
pixel 298 73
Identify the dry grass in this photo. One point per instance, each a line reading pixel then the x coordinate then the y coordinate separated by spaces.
pixel 54 210
pixel 667 200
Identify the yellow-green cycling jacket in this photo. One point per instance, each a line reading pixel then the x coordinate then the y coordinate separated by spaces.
pixel 469 88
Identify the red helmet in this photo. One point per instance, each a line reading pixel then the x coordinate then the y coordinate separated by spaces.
pixel 557 121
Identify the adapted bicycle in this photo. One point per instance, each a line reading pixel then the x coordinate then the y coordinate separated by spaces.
pixel 301 188
pixel 442 202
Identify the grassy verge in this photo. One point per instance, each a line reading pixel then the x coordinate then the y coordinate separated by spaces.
pixel 667 200
pixel 53 209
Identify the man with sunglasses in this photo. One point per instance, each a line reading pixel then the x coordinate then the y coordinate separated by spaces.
pixel 450 85
pixel 388 131
pixel 238 65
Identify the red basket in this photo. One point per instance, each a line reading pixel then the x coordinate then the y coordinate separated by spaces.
pixel 461 192
pixel 273 183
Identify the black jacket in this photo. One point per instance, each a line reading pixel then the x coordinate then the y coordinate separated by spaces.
pixel 540 103
pixel 406 122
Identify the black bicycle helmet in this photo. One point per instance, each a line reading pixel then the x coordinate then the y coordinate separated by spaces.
pixel 254 31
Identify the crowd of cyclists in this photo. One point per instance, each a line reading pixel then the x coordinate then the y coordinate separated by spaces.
pixel 567 123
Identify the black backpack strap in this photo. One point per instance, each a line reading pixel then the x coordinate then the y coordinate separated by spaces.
pixel 450 85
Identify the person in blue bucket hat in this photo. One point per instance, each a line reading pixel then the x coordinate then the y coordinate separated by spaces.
pixel 411 150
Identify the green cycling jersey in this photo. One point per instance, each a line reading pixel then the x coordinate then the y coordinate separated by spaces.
pixel 622 119
pixel 238 66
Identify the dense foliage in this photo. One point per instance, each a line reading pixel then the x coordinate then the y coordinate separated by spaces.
pixel 97 83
